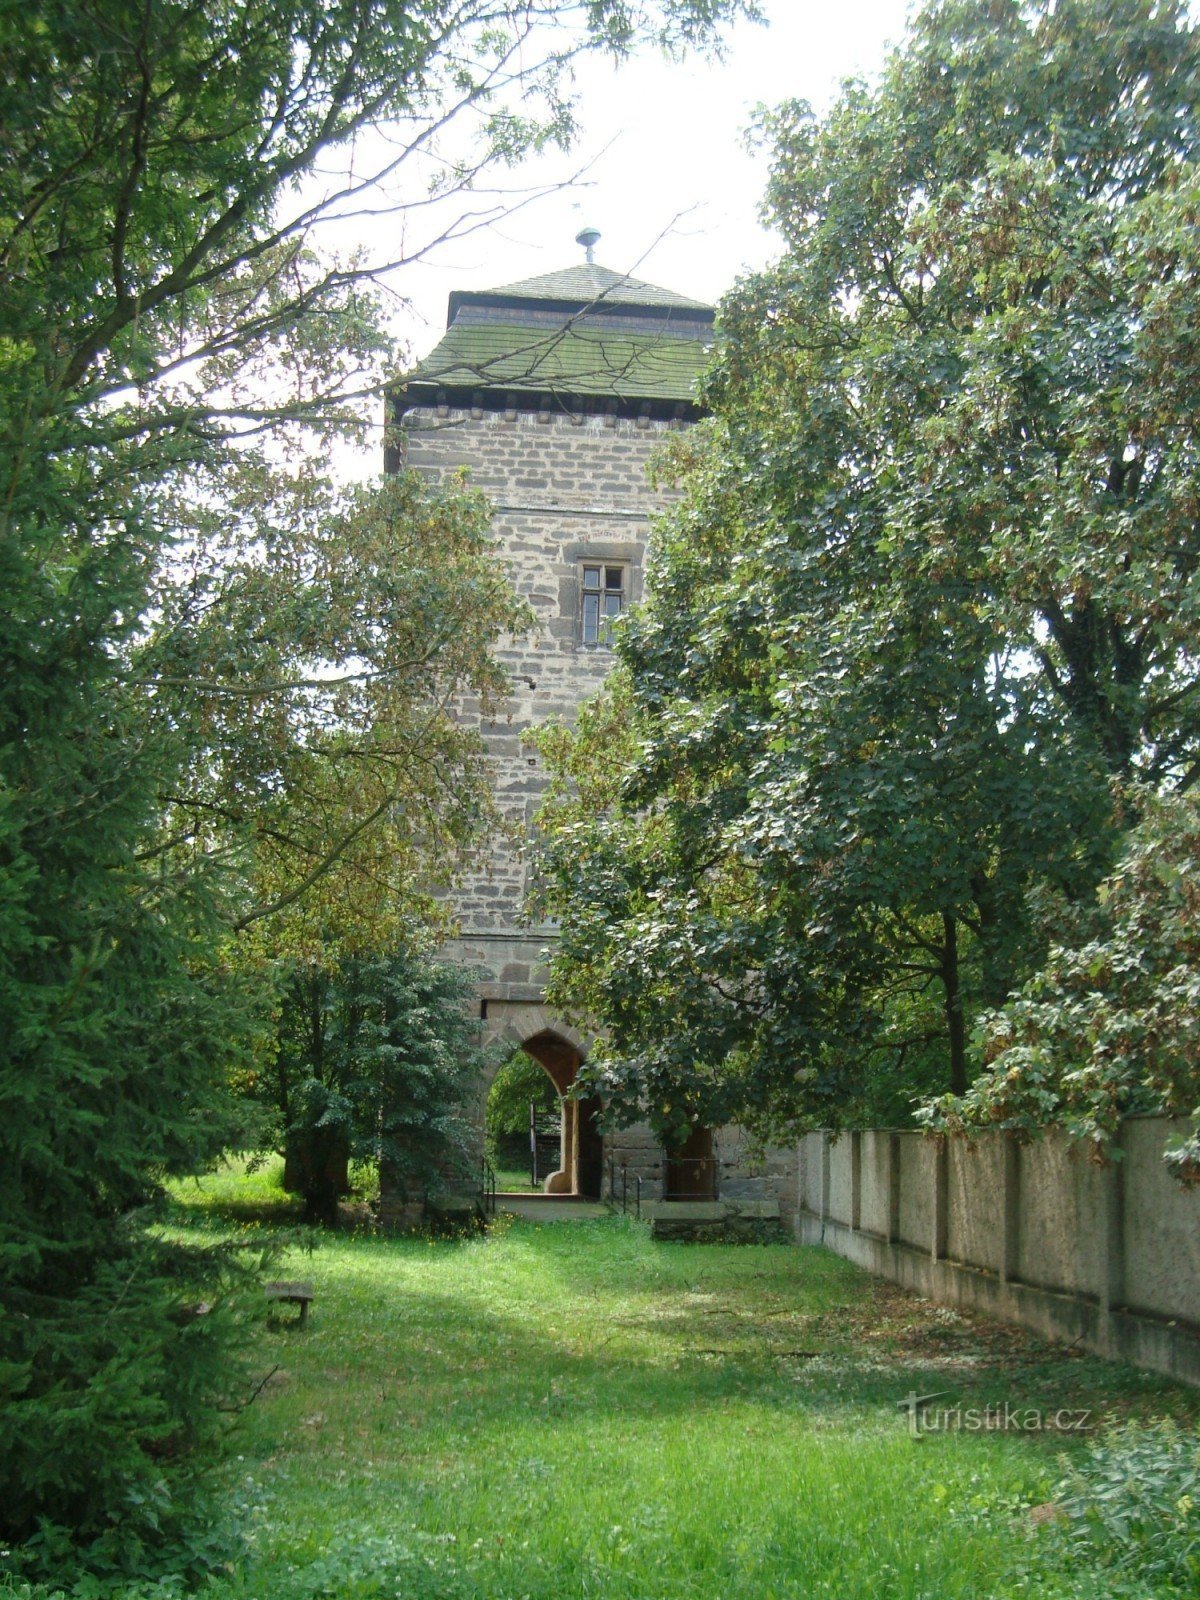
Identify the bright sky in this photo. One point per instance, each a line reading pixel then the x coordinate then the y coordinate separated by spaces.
pixel 667 175
pixel 661 139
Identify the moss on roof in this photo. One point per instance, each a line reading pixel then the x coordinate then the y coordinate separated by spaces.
pixel 579 360
pixel 583 332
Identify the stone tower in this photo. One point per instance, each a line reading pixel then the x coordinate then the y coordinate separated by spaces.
pixel 554 393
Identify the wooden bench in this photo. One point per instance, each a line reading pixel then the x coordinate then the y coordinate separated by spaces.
pixel 293 1294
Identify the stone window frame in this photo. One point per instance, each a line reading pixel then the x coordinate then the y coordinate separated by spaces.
pixel 604 591
pixel 626 555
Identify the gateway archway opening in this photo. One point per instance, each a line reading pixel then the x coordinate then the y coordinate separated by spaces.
pixel 522 1125
pixel 579 1167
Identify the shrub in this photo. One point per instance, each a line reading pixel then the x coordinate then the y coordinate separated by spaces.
pixel 104 1408
pixel 1132 1507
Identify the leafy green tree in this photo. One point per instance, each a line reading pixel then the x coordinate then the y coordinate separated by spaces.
pixel 194 626
pixel 931 585
pixel 313 694
pixel 1110 1025
pixel 518 1083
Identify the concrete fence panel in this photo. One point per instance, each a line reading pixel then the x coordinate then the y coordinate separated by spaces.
pixel 918 1157
pixel 810 1175
pixel 1061 1219
pixel 975 1220
pixel 1161 1234
pixel 875 1165
pixel 840 1178
pixel 1105 1257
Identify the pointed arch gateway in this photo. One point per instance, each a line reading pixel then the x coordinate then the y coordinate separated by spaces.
pixel 560 1051
pixel 581 1153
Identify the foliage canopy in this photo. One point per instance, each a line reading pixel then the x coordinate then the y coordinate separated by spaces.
pixel 217 692
pixel 1110 1025
pixel 931 587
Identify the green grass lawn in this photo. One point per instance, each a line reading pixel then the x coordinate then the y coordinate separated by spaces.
pixel 514 1178
pixel 239 1191
pixel 573 1410
pixel 250 1189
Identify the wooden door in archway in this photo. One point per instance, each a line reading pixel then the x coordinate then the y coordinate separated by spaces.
pixel 589 1149
pixel 691 1168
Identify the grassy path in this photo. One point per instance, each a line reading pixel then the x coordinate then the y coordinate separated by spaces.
pixel 573 1410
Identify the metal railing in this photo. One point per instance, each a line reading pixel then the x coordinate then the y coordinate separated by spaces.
pixel 692 1177
pixel 621 1197
pixel 487 1187
pixel 681 1178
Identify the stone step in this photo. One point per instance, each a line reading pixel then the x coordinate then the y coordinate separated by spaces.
pixel 550 1207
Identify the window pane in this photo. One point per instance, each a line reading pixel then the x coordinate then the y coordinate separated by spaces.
pixel 591 577
pixel 612 605
pixel 613 578
pixel 591 618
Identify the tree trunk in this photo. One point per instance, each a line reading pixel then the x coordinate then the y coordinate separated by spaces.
pixel 317 1167
pixel 954 1011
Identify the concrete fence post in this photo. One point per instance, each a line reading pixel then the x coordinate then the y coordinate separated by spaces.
pixel 941 1198
pixel 856 1139
pixel 824 1182
pixel 1010 1213
pixel 893 1189
pixel 1112 1248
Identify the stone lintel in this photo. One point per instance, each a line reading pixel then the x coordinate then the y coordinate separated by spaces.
pixel 521 993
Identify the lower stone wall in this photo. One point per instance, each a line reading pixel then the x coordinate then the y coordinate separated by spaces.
pixel 632 1155
pixel 718 1222
pixel 1105 1257
pixel 749 1179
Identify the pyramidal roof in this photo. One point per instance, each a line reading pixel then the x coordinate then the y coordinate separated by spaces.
pixel 588 282
pixel 584 338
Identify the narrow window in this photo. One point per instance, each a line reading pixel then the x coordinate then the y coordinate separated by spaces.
pixel 604 593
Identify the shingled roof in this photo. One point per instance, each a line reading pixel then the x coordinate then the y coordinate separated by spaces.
pixel 584 338
pixel 588 282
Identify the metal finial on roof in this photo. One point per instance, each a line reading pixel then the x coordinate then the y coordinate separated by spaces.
pixel 589 238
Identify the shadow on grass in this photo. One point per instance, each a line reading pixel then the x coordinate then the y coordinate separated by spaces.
pixel 285 1212
pixel 576 1409
pixel 668 1332
pixel 210 1211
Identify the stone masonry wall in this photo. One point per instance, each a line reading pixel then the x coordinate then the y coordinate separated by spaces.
pixel 566 488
